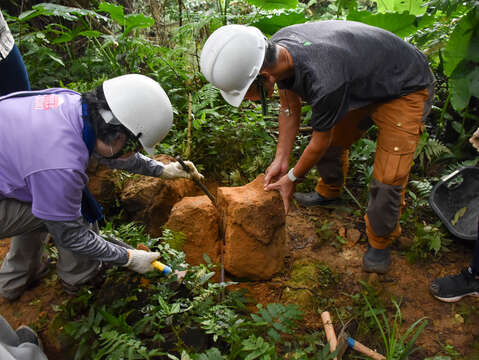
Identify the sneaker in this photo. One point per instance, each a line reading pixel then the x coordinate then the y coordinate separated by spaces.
pixel 377 260
pixel 27 334
pixel 43 271
pixel 313 199
pixel 453 288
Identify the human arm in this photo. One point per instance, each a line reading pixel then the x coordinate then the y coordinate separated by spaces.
pixel 143 165
pixel 316 148
pixel 77 237
pixel 288 121
pixel 56 199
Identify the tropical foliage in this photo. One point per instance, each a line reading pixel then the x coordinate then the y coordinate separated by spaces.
pixel 79 47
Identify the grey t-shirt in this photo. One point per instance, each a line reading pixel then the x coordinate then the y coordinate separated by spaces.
pixel 344 65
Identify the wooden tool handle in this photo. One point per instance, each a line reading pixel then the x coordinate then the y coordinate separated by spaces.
pixel 356 345
pixel 329 330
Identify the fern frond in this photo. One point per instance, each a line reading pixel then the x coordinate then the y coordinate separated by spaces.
pixel 433 149
pixel 120 346
pixel 422 187
pixel 459 165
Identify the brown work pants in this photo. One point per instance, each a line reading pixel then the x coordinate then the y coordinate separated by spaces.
pixel 400 124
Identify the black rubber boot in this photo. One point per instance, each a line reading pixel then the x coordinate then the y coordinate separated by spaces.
pixel 313 199
pixel 377 260
pixel 453 288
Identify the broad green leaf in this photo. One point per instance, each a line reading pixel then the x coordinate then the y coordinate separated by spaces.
pixel 185 356
pixel 400 24
pixel 66 12
pixel 457 48
pixel 56 59
pixel 26 15
pixel 473 78
pixel 134 21
pixel 460 95
pixel 435 244
pixel 351 5
pixel 116 12
pixel 425 21
pixel 271 23
pixel 274 4
pixel 90 33
pixel 474 49
pixel 413 7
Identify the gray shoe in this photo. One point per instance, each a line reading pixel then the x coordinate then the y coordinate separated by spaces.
pixel 313 199
pixel 377 260
pixel 27 334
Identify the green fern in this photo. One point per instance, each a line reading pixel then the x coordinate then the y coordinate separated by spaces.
pixel 115 345
pixel 422 188
pixel 458 165
pixel 429 150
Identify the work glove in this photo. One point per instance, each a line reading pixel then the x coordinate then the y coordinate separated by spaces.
pixel 174 170
pixel 141 261
pixel 474 140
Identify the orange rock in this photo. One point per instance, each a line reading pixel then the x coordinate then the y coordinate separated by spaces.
pixel 197 218
pixel 149 200
pixel 253 224
pixel 353 236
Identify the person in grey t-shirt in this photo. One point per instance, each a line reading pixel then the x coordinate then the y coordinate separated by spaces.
pixel 353 76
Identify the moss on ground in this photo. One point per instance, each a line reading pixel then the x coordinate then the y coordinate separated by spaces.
pixel 307 284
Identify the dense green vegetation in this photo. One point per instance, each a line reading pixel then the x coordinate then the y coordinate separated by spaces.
pixel 79 47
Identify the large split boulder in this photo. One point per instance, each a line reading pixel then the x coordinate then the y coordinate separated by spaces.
pixel 253 226
pixel 197 218
pixel 149 200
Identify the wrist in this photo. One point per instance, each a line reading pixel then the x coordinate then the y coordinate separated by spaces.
pixel 128 262
pixel 293 177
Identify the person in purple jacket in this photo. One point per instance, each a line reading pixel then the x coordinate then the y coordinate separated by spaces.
pixel 46 140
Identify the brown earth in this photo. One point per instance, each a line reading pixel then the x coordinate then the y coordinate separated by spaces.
pixel 449 324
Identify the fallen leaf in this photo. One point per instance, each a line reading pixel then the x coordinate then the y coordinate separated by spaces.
pixel 459 214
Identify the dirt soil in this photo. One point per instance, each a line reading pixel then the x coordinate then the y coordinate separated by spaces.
pixel 449 324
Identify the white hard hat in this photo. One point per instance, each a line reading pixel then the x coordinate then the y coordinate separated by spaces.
pixel 232 58
pixel 142 106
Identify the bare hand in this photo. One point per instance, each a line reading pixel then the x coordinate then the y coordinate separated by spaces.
pixel 286 188
pixel 474 140
pixel 275 171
